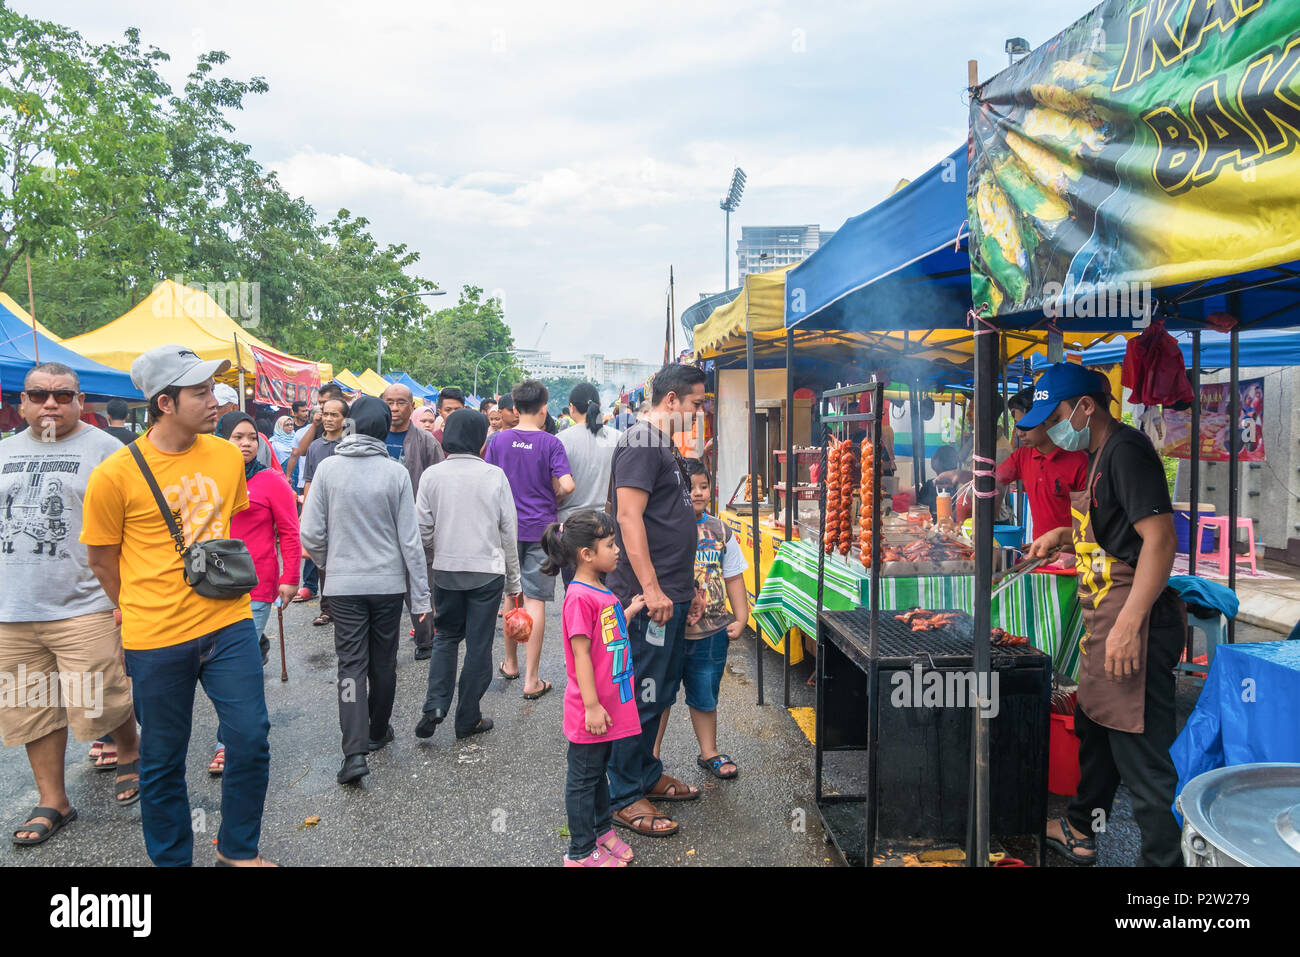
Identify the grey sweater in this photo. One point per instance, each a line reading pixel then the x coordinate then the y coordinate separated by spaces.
pixel 358 523
pixel 467 518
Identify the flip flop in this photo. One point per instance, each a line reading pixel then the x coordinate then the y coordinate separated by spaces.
pixel 1066 848
pixel 106 767
pixel 213 769
pixel 534 695
pixel 322 619
pixel 122 786
pixel 44 831
pixel 501 670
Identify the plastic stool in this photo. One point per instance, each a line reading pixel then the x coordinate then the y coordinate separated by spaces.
pixel 1215 630
pixel 1220 524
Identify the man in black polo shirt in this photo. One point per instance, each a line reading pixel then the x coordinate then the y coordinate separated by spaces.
pixel 656 536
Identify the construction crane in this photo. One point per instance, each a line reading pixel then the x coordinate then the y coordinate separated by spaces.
pixel 540 334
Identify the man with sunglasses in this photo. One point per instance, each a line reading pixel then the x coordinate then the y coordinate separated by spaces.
pixel 56 624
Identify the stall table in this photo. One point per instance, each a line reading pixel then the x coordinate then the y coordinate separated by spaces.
pixel 1043 607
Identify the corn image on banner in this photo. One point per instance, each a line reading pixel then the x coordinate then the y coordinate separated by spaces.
pixel 1152 142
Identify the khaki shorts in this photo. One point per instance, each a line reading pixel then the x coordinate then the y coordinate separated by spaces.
pixel 57 674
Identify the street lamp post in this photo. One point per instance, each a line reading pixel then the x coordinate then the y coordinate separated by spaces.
pixel 1016 46
pixel 499 352
pixel 728 206
pixel 379 362
pixel 496 386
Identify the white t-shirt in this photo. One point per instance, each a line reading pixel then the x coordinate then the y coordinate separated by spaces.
pixel 733 559
pixel 44 575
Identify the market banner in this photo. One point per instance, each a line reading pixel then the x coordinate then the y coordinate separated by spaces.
pixel 283 380
pixel 1215 424
pixel 1154 142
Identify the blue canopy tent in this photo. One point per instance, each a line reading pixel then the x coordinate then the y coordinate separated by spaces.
pixel 1255 348
pixel 417 390
pixel 18 354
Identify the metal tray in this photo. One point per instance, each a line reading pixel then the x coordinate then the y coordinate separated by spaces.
pixel 1247 815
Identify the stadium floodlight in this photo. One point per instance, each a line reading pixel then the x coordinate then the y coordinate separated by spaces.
pixel 728 205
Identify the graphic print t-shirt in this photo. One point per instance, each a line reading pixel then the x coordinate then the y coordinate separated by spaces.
pixel 203 486
pixel 596 613
pixel 396 443
pixel 43 571
pixel 718 556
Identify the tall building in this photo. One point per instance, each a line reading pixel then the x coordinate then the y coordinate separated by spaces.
pixel 762 248
pixel 594 367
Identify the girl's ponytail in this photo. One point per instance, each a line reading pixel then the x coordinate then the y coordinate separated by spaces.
pixel 563 540
pixel 595 421
pixel 586 401
pixel 553 545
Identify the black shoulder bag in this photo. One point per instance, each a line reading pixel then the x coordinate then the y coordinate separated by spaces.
pixel 221 568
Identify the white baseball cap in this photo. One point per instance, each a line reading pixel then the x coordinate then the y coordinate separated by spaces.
pixel 165 366
pixel 225 394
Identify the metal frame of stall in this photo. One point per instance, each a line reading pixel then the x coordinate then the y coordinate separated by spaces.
pixel 871 798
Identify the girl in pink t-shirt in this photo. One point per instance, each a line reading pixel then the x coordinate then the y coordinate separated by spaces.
pixel 599 707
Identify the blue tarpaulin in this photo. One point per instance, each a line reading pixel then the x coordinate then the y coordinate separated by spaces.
pixel 1248 711
pixel 900 265
pixel 18 355
pixel 1255 348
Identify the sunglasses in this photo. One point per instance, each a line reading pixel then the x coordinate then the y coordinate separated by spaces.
pixel 41 396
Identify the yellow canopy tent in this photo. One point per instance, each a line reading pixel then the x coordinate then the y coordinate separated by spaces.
pixel 372 383
pixel 180 314
pixel 8 302
pixel 349 380
pixel 760 306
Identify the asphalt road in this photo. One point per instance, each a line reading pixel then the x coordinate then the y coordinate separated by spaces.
pixel 494 799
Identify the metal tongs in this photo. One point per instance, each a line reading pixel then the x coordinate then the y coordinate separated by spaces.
pixel 1020 569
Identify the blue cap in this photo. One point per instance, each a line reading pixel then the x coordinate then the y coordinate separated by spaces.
pixel 1062 381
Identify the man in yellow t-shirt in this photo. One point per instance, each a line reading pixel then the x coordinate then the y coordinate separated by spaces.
pixel 172 636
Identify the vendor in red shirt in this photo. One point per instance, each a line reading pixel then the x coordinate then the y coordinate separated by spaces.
pixel 1049 474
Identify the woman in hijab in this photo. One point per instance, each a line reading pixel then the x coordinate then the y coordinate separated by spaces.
pixel 271 518
pixel 282 439
pixel 426 418
pixel 360 507
pixel 468 524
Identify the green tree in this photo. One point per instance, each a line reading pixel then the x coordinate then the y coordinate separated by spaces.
pixel 443 349
pixel 559 388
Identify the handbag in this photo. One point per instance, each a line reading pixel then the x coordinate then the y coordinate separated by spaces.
pixel 221 568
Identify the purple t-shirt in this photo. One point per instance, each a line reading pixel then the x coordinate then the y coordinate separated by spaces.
pixel 530 460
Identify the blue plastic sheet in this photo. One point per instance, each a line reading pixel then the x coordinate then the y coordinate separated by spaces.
pixel 1249 711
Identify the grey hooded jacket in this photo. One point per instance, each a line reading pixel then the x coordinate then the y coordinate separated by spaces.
pixel 358 523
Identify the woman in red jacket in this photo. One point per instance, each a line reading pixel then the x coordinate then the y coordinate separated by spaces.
pixel 271 517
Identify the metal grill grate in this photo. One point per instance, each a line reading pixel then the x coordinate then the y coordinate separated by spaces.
pixel 897 640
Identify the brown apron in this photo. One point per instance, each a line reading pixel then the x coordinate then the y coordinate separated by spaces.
pixel 1104 586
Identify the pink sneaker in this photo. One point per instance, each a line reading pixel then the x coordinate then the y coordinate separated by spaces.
pixel 616 846
pixel 597 858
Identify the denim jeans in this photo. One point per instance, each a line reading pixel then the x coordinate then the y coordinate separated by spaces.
pixel 633 768
pixel 706 660
pixel 586 796
pixel 310 580
pixel 469 616
pixel 228 665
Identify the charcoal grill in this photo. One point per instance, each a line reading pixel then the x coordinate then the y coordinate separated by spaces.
pixel 918 785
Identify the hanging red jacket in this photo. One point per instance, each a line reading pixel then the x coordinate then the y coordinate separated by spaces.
pixel 1154 369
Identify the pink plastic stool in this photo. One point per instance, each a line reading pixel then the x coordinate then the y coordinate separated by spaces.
pixel 1220 524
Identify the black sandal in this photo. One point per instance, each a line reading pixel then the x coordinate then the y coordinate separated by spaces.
pixel 501 670
pixel 128 769
pixel 322 619
pixel 44 831
pixel 717 761
pixel 1066 847
pixel 534 695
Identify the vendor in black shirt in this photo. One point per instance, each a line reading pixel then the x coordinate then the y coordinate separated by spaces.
pixel 1124 543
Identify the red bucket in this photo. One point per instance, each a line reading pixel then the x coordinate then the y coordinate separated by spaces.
pixel 1063 756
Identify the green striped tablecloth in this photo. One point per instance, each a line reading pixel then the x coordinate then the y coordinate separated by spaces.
pixel 1043 607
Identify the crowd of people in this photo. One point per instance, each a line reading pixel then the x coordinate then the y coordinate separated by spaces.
pixel 159 559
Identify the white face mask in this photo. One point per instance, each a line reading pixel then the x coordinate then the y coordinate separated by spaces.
pixel 1066 437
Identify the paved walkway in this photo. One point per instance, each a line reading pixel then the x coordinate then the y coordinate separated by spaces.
pixel 493 799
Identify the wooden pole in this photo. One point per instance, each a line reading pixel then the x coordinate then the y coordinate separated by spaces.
pixel 31 310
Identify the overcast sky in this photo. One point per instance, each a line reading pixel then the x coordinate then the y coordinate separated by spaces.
pixel 562 155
